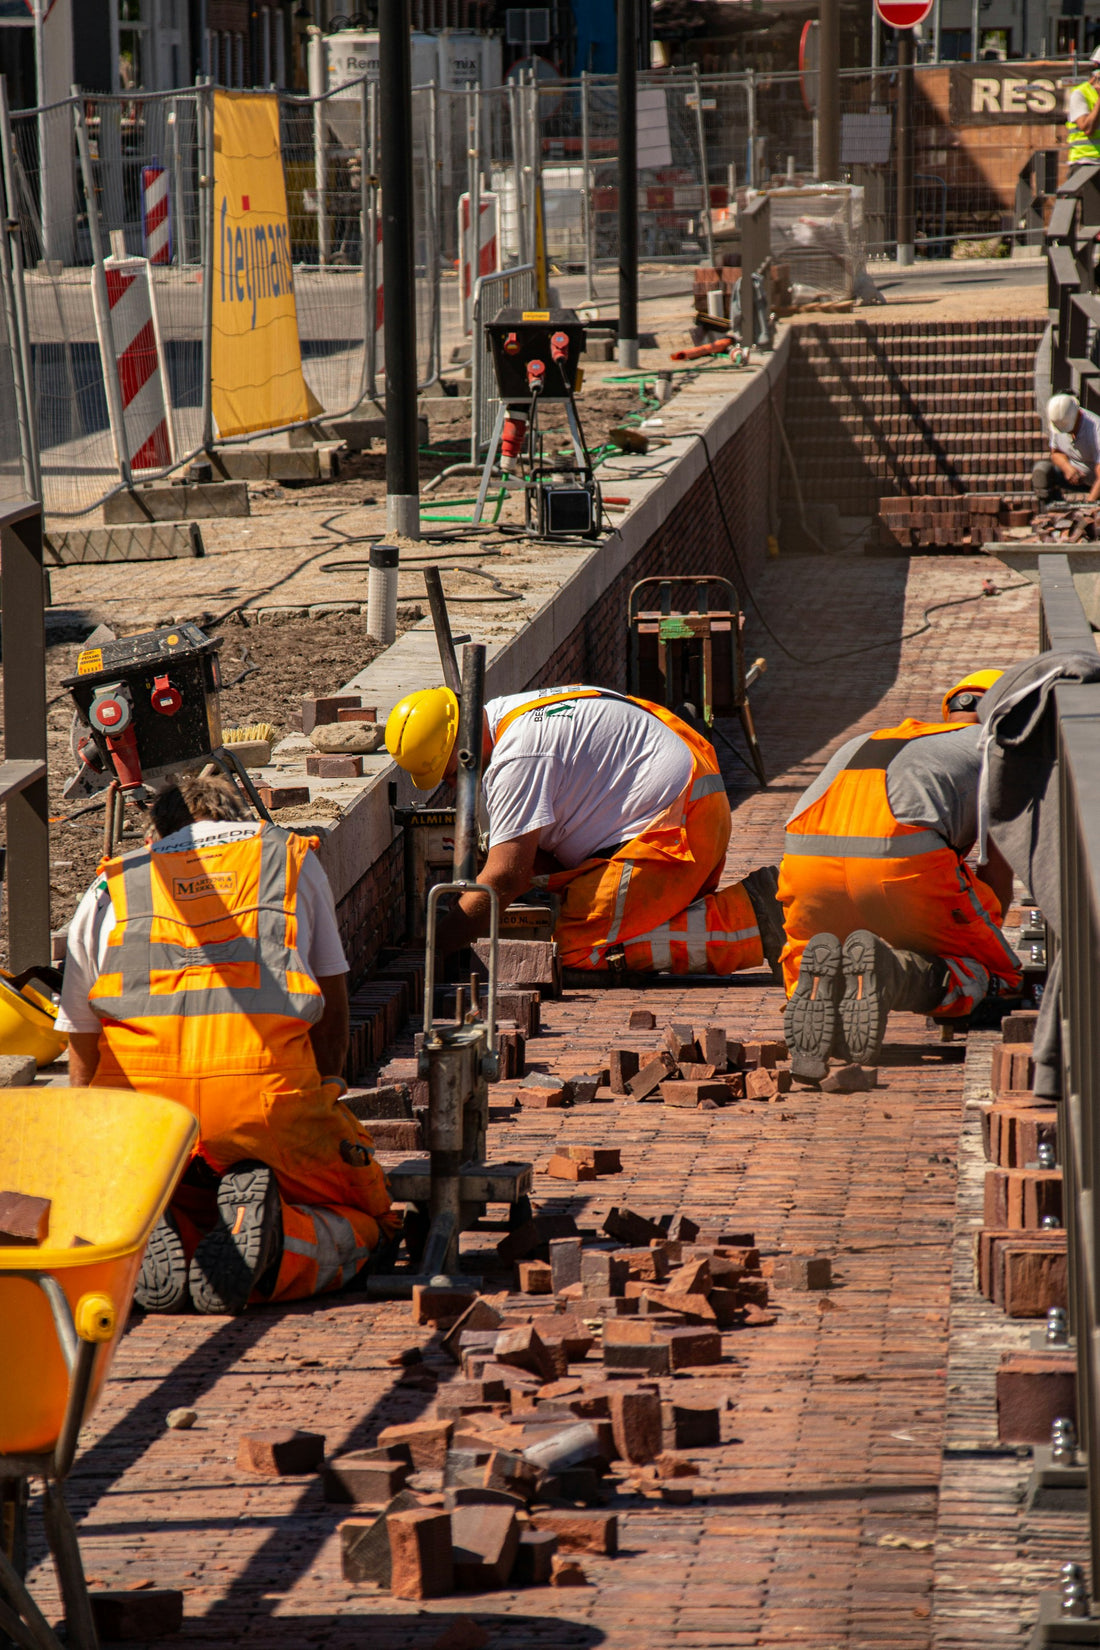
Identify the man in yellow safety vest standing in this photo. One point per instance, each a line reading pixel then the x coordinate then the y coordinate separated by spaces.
pixel 612 803
pixel 207 967
pixel 1082 118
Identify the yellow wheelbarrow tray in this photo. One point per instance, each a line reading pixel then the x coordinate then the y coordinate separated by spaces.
pixel 108 1160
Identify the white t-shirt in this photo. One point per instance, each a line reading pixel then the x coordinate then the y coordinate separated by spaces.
pixel 319 943
pixel 1082 449
pixel 1077 105
pixel 586 774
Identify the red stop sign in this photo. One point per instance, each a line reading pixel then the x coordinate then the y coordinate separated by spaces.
pixel 903 14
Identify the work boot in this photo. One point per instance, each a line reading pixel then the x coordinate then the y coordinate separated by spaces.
pixel 810 1020
pixel 762 887
pixel 162 1281
pixel 876 981
pixel 246 1243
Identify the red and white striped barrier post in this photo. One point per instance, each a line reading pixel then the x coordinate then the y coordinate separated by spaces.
pixel 129 331
pixel 156 222
pixel 488 250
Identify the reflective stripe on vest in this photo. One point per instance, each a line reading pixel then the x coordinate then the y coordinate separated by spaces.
pixel 858 795
pixel 258 974
pixel 1083 149
pixel 863 847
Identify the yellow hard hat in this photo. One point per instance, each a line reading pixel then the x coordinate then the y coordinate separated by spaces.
pixel 420 735
pixel 27 1022
pixel 976 682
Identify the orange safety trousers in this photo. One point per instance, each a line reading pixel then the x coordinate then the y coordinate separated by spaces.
pixel 205 1000
pixel 656 897
pixel 850 864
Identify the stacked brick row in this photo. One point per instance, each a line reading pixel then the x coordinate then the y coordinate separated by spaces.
pixel 949 521
pixel 1020 1264
pixel 921 408
pixel 380 1008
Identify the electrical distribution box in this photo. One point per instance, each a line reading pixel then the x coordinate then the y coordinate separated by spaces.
pixel 519 336
pixel 169 680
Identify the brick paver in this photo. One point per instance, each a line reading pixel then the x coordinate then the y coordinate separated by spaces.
pixel 814 1522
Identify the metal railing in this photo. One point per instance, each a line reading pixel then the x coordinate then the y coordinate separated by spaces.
pixel 1063 624
pixel 510 289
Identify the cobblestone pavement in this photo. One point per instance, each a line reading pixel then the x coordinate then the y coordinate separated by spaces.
pixel 814 1522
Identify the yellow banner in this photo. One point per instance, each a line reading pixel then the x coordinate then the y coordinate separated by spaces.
pixel 256 358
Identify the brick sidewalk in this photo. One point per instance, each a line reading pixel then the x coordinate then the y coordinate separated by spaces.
pixel 814 1521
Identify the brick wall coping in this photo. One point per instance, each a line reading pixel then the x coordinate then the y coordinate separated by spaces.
pixel 521 638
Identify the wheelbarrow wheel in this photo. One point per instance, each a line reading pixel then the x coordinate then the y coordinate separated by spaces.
pixel 13 1523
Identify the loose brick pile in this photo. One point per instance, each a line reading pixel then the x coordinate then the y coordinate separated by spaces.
pixel 917 408
pixel 950 520
pixel 1080 525
pixel 553 1408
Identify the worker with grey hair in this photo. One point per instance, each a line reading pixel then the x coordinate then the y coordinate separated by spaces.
pixel 1074 460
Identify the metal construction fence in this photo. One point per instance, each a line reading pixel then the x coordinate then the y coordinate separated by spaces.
pixel 533 165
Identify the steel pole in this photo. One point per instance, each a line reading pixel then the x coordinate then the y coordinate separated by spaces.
pixel 905 231
pixel 704 169
pixel 828 94
pixel 976 29
pixel 469 743
pixel 398 270
pixel 370 258
pixel 628 183
pixel 102 303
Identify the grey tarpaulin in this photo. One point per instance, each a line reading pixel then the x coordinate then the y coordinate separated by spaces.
pixel 1018 807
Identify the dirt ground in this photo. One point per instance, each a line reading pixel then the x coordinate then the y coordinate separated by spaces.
pixel 271 668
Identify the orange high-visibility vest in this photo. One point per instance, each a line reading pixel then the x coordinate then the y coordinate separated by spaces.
pixel 853 818
pixel 202 976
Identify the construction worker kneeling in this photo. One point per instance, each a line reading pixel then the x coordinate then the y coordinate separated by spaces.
pixel 881 911
pixel 207 967
pixel 612 803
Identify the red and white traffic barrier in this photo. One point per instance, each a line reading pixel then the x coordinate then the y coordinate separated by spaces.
pixel 131 334
pixel 488 250
pixel 156 223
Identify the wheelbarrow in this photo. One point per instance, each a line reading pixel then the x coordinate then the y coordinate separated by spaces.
pixel 108 1160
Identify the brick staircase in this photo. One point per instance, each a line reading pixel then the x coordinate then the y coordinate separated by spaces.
pixel 924 409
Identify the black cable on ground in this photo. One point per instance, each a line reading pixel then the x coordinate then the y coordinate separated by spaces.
pixel 847 652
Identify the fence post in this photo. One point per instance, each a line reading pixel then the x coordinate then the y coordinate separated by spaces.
pixel 519 170
pixel 21 336
pixel 320 171
pixel 177 183
pixel 750 89
pixel 828 92
pixel 206 207
pixel 586 194
pixel 108 356
pixel 704 171
pixel 434 238
pixel 905 230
